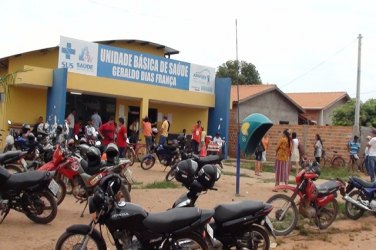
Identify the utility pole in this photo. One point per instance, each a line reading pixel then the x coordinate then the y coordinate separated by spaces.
pixel 356 128
pixel 238 118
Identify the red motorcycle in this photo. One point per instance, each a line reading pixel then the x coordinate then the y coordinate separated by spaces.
pixel 317 202
pixel 84 175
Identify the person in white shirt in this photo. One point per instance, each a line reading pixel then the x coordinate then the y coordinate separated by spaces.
pixel 96 120
pixel 371 145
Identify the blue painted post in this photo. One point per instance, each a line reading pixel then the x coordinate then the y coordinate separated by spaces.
pixel 56 97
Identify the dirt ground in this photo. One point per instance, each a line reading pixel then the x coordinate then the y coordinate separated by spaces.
pixel 18 232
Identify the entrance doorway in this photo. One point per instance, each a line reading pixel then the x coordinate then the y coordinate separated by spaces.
pixel 85 106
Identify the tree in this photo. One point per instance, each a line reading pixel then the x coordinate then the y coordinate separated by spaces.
pixel 345 115
pixel 248 73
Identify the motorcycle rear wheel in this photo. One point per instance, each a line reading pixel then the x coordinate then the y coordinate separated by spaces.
pixel 352 211
pixel 190 240
pixel 254 238
pixel 70 240
pixel 147 163
pixel 286 224
pixel 36 204
pixel 327 215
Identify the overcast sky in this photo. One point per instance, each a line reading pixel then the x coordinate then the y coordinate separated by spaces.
pixel 299 45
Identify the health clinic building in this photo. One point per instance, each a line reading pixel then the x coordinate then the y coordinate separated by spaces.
pixel 120 78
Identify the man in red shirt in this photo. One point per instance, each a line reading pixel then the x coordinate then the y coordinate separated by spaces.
pixel 107 131
pixel 196 136
pixel 121 138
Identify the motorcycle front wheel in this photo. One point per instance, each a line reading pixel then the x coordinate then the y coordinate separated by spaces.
pixel 187 241
pixel 326 215
pixel 284 215
pixel 70 240
pixel 254 238
pixel 61 192
pixel 147 162
pixel 40 207
pixel 171 174
pixel 351 210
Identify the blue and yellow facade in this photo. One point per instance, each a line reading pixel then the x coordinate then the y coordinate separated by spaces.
pixel 165 85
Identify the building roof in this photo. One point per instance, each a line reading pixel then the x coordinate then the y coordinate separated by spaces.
pixel 167 50
pixel 247 92
pixel 318 100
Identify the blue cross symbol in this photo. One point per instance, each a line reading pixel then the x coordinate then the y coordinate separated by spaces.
pixel 68 51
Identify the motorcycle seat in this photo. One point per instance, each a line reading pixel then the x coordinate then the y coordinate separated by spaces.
pixel 173 219
pixel 210 159
pixel 327 187
pixel 10 155
pixel 235 210
pixel 24 180
pixel 364 183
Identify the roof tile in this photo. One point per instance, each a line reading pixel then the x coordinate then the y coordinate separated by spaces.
pixel 317 100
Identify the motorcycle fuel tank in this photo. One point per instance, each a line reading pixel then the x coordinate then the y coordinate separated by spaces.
pixel 126 215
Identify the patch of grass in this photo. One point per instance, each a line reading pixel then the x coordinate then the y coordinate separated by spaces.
pixel 233 174
pixel 332 173
pixel 161 184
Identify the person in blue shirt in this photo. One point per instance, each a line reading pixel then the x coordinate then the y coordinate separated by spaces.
pixel 354 147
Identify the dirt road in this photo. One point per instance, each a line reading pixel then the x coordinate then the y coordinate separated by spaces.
pixel 18 232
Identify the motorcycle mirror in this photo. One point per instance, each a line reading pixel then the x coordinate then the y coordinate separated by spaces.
pixel 9 122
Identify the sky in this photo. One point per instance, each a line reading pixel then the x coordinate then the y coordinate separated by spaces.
pixel 299 45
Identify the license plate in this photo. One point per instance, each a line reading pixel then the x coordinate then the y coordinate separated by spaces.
pixel 270 225
pixel 210 231
pixel 23 163
pixel 54 187
pixel 128 174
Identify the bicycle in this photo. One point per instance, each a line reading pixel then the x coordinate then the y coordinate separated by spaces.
pixel 135 151
pixel 357 164
pixel 335 161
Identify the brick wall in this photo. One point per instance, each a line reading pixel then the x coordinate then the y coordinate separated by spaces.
pixel 333 137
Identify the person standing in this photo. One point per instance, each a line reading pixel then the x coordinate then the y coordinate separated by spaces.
pixel 202 149
pixel 366 162
pixel 318 148
pixel 196 136
pixel 295 156
pixel 90 132
pixel 134 127
pixel 282 158
pixel 265 143
pixel 258 153
pixel 353 147
pixel 70 121
pixel 97 120
pixel 146 127
pixel 371 145
pixel 165 127
pixel 121 138
pixel 107 131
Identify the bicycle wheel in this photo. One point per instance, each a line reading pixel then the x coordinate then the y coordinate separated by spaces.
pixel 130 155
pixel 338 162
pixel 141 151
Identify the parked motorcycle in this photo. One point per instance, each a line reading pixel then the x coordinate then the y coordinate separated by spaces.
pixel 31 193
pixel 317 202
pixel 13 161
pixel 85 175
pixel 360 197
pixel 243 224
pixel 167 155
pixel 131 227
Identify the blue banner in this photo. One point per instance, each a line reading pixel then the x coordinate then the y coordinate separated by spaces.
pixel 129 65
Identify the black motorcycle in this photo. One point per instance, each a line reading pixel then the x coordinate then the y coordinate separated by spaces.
pixel 201 161
pixel 131 227
pixel 32 193
pixel 167 155
pixel 243 224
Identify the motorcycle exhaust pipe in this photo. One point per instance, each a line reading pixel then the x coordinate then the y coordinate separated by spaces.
pixel 357 203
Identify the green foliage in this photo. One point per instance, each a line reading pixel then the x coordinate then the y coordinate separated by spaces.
pixel 162 184
pixel 247 75
pixel 7 80
pixel 345 115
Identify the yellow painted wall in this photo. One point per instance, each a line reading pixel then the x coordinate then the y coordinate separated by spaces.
pixel 43 59
pixel 117 88
pixel 137 47
pixel 26 105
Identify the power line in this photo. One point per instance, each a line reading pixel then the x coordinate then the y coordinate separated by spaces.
pixel 318 65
